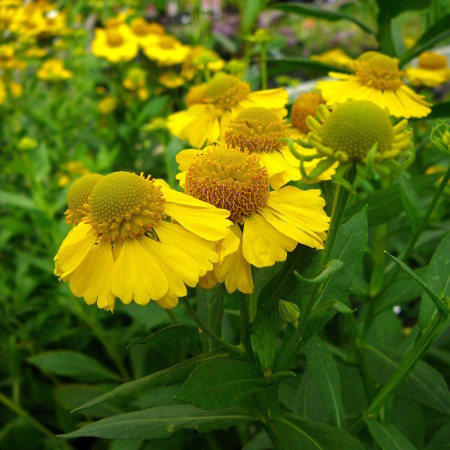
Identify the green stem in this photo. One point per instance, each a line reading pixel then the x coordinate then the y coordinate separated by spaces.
pixel 172 316
pixel 196 318
pixel 406 366
pixel 340 200
pixel 263 62
pixel 273 403
pixel 245 322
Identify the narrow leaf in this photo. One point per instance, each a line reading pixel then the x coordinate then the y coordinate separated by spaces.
pixel 182 334
pixel 388 437
pixel 410 202
pixel 264 341
pixel 333 266
pixel 210 310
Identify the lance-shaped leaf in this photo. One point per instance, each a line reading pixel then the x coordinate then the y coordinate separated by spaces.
pixel 388 437
pixel 333 266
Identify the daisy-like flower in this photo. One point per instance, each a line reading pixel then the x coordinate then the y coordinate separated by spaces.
pixel 211 105
pixel 113 44
pixel 432 70
pixel 351 130
pixel 53 70
pixel 166 50
pixel 266 224
pixel 337 57
pixel 141 31
pixel 136 82
pixel 377 79
pixel 136 239
pixel 171 80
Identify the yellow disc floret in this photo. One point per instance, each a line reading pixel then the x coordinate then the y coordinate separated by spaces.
pixel 379 71
pixel 432 61
pixel 229 179
pixel 305 105
pixel 257 130
pixel 77 197
pixel 225 91
pixel 124 205
pixel 113 37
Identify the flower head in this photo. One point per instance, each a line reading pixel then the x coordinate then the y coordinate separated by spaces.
pixel 351 130
pixel 378 80
pixel 53 70
pixel 114 44
pixel 166 50
pixel 136 239
pixel 432 70
pixel 211 105
pixel 267 224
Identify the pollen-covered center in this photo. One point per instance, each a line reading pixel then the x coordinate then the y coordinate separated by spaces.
pixel 257 130
pixel 114 38
pixel 167 42
pixel 225 91
pixel 230 179
pixel 380 72
pixel 78 196
pixel 432 61
pixel 355 126
pixel 124 205
pixel 305 105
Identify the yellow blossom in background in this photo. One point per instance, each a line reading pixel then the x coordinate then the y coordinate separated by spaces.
pixel 236 67
pixel 432 70
pixel 8 59
pixel 336 57
pixel 266 224
pixel 8 10
pixel 136 81
pixel 142 31
pixel 26 144
pixel 137 240
pixel 53 70
pixel 198 59
pixel 15 89
pixel 377 79
pixel 70 171
pixel 118 20
pixel 113 45
pixel 35 52
pixel 165 50
pixel 211 105
pixel 171 80
pixel 108 104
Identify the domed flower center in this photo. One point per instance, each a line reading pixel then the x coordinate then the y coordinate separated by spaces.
pixel 256 129
pixel 355 126
pixel 305 105
pixel 139 27
pixel 124 205
pixel 114 38
pixel 78 196
pixel 114 22
pixel 230 179
pixel 432 61
pixel 380 72
pixel 167 43
pixel 225 91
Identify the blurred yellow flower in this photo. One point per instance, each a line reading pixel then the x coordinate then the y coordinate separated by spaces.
pixel 377 79
pixel 8 59
pixel 53 70
pixel 113 45
pixel 337 57
pixel 141 30
pixel 166 50
pixel 171 80
pixel 136 239
pixel 432 70
pixel 211 105
pixel 26 143
pixel 107 105
pixel 198 59
pixel 136 81
pixel 35 52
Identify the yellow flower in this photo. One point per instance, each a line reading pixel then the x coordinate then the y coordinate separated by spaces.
pixel 377 79
pixel 53 70
pixel 136 239
pixel 112 44
pixel 35 52
pixel 266 224
pixel 337 57
pixel 198 59
pixel 211 105
pixel 165 50
pixel 171 80
pixel 26 144
pixel 432 70
pixel 8 59
pixel 351 130
pixel 136 80
pixel 108 104
pixel 141 31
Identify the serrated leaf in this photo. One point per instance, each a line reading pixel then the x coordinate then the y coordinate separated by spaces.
pixel 171 375
pixel 161 422
pixel 388 437
pixel 295 433
pixel 219 384
pixel 326 378
pixel 72 364
pixel 264 341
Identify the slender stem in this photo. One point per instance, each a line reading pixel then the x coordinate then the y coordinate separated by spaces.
pixel 406 365
pixel 253 306
pixel 263 62
pixel 340 200
pixel 245 322
pixel 172 316
pixel 273 403
pixel 196 318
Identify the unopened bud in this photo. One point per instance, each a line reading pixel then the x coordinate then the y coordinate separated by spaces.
pixel 289 312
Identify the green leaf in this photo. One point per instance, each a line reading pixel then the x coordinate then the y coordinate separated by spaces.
pixel 181 334
pixel 162 421
pixel 386 204
pixel 260 441
pixel 164 377
pixel 249 15
pixel 388 437
pixel 19 200
pixel 326 377
pixel 264 341
pixel 307 402
pixel 441 440
pixel 295 433
pixel 437 279
pixel 333 266
pixel 219 384
pixel 210 310
pixel 319 13
pixel 72 364
pixel 410 202
pixel 424 384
